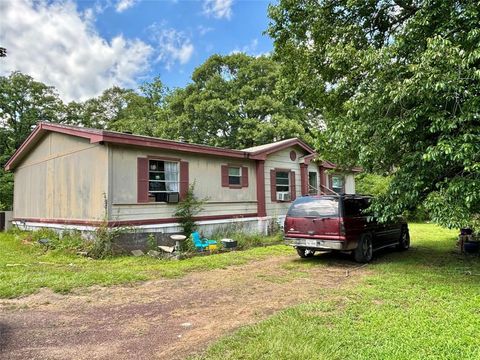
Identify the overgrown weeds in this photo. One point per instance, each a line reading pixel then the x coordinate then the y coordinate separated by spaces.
pixel 98 244
pixel 245 239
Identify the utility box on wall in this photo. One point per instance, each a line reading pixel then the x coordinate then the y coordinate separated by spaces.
pixel 5 220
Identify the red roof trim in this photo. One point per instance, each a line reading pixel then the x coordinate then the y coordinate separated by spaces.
pixel 145 141
pixel 42 128
pixel 96 136
pixel 29 140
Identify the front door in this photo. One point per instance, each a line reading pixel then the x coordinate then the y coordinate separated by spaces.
pixel 313 183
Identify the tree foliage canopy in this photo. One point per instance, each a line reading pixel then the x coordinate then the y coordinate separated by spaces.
pixel 233 101
pixel 123 110
pixel 23 102
pixel 398 84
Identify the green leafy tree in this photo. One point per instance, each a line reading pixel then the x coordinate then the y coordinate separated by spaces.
pixel 23 102
pixel 123 110
pixel 371 184
pixel 233 102
pixel 398 84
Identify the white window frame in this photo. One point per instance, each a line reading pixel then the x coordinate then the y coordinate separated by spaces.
pixel 283 185
pixel 177 181
pixel 342 189
pixel 239 175
pixel 312 190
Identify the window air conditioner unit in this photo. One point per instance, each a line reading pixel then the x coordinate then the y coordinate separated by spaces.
pixel 283 196
pixel 173 198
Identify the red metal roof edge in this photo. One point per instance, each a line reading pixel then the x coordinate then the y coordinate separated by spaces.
pixel 40 129
pixel 147 141
pixel 97 135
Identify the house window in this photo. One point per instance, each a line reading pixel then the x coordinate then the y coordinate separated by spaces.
pixel 282 185
pixel 312 183
pixel 235 176
pixel 338 184
pixel 162 178
pixel 282 181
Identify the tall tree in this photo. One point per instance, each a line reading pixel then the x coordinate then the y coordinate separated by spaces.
pixel 233 102
pixel 398 84
pixel 123 110
pixel 23 102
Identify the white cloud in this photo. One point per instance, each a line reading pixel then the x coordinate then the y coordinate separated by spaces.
pixel 202 30
pixel 247 49
pixel 123 5
pixel 172 46
pixel 218 8
pixel 59 46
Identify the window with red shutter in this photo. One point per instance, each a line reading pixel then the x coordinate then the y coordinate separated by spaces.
pixel 142 180
pixel 234 177
pixel 244 176
pixel 161 180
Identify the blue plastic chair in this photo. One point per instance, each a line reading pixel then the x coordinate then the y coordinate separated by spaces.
pixel 201 244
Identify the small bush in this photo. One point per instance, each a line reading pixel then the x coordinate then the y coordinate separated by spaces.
pixel 188 246
pixel 187 209
pixel 101 245
pixel 151 242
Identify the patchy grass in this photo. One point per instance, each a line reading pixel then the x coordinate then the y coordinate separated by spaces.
pixel 420 304
pixel 26 267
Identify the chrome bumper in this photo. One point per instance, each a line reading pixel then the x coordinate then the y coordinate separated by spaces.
pixel 316 244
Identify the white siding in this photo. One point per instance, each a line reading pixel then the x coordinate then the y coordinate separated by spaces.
pixel 281 160
pixel 64 177
pixel 349 184
pixel 205 170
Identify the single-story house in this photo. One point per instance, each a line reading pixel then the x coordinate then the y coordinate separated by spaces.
pixel 70 177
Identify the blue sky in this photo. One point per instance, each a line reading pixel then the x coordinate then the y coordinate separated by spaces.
pixel 84 47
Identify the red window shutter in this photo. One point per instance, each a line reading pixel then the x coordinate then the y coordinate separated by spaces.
pixel 293 193
pixel 244 176
pixel 273 185
pixel 142 180
pixel 224 175
pixel 303 179
pixel 184 179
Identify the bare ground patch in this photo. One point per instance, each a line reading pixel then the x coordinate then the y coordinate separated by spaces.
pixel 162 319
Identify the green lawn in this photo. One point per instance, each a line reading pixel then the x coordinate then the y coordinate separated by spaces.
pixel 33 268
pixel 421 304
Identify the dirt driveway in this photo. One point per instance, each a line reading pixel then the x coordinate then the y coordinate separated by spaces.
pixel 162 319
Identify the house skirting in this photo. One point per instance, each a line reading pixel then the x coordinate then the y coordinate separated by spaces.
pixel 253 225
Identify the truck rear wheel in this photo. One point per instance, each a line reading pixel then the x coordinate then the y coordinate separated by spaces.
pixel 404 243
pixel 364 251
pixel 305 253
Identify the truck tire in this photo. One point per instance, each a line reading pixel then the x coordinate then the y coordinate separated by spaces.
pixel 404 242
pixel 364 251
